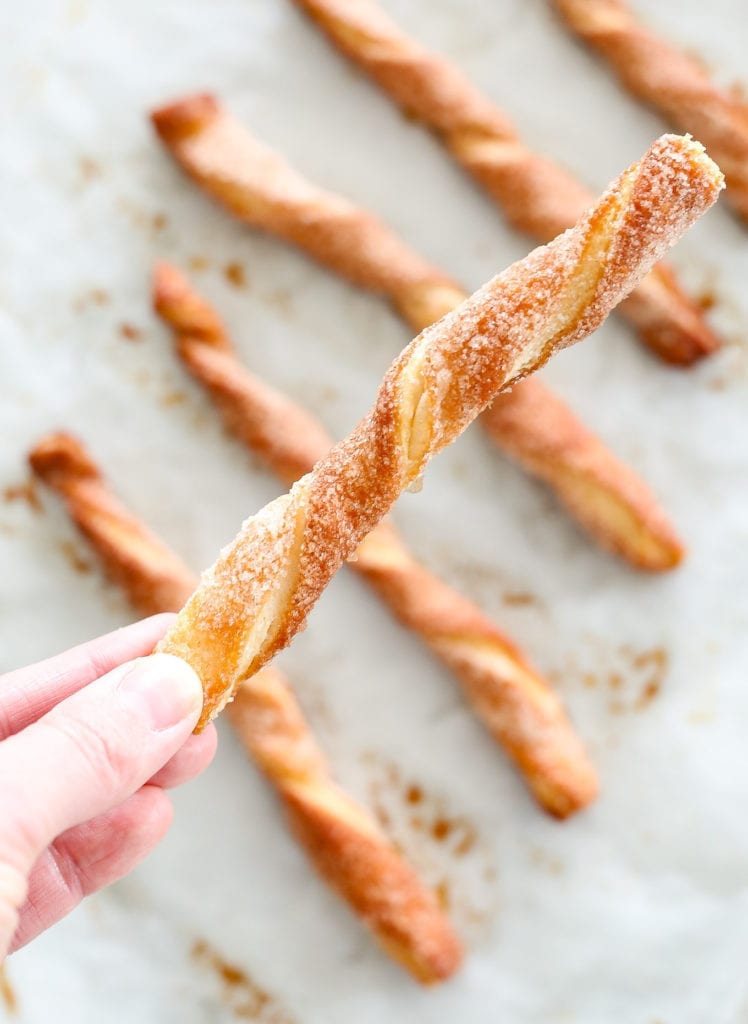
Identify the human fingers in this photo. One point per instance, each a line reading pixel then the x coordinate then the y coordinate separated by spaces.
pixel 28 693
pixel 89 857
pixel 87 756
pixel 189 761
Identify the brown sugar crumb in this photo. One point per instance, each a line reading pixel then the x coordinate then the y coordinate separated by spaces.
pixel 88 169
pixel 74 558
pixel 93 297
pixel 234 274
pixel 197 263
pixel 441 829
pixel 648 694
pixel 27 492
pixel 130 332
pixel 468 841
pixel 547 861
pixel 520 599
pixel 707 300
pixel 442 893
pixel 432 819
pixel 159 221
pixel 7 995
pixel 173 398
pixel 243 996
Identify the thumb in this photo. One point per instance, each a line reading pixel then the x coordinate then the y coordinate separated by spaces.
pixel 91 752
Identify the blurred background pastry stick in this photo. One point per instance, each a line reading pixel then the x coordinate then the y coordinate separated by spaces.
pixel 536 195
pixel 602 493
pixel 514 702
pixel 342 839
pixel 259 186
pixel 671 81
pixel 258 594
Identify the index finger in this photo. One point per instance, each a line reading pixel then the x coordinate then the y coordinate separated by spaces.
pixel 28 693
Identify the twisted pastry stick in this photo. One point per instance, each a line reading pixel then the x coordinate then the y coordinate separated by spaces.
pixel 341 838
pixel 536 195
pixel 603 494
pixel 514 702
pixel 257 596
pixel 670 81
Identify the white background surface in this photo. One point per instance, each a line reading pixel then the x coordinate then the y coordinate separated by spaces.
pixel 635 912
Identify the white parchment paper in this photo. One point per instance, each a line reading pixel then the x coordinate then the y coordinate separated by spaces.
pixel 634 913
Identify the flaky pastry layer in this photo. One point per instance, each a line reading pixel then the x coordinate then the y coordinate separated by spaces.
pixel 603 494
pixel 257 596
pixel 341 837
pixel 510 697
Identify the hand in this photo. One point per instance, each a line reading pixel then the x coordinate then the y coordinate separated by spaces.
pixel 89 740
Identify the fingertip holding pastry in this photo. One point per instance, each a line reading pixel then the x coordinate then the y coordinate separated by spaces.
pixel 340 837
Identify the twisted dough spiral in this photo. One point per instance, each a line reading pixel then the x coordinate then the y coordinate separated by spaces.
pixel 341 838
pixel 513 701
pixel 536 195
pixel 670 81
pixel 530 423
pixel 258 594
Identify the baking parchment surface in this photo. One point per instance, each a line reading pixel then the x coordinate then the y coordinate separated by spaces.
pixel 635 912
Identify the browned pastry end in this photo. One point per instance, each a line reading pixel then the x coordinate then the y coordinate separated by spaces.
pixel 152 577
pixel 507 694
pixel 603 493
pixel 258 594
pixel 260 186
pixel 671 81
pixel 341 838
pixel 536 195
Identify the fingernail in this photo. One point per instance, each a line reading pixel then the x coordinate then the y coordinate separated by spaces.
pixel 163 689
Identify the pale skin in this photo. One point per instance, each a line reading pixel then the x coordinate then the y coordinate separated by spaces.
pixel 89 742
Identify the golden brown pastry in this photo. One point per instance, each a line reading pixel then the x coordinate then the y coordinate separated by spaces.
pixel 510 697
pixel 257 596
pixel 536 195
pixel 342 839
pixel 669 80
pixel 602 493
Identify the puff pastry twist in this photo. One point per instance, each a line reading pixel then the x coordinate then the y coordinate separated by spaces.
pixel 341 838
pixel 536 195
pixel 669 80
pixel 530 423
pixel 257 596
pixel 512 699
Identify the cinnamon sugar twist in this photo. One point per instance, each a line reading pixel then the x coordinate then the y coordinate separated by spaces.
pixel 536 195
pixel 669 80
pixel 257 596
pixel 603 494
pixel 342 839
pixel 510 697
